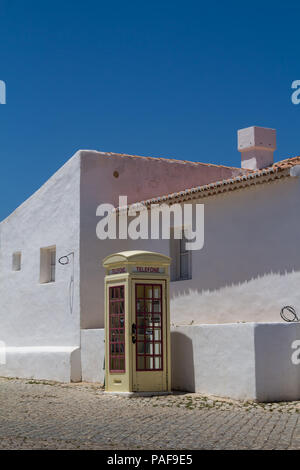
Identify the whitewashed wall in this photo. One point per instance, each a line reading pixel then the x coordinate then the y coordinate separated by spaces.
pixel 247 270
pixel 92 355
pixel 214 359
pixel 59 363
pixel 277 377
pixel 241 361
pixel 250 264
pixel 34 314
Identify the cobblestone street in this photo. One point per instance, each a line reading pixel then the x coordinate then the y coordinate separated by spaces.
pixel 47 415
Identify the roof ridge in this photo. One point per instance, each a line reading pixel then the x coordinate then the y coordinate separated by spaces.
pixel 287 162
pixel 170 159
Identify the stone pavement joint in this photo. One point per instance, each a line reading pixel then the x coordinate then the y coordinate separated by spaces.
pixel 48 415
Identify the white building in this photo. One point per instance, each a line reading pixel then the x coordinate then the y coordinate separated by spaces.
pixel 52 315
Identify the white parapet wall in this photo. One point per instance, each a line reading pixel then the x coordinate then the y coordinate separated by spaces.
pixel 256 361
pixel 277 361
pixel 92 355
pixel 214 359
pixel 241 361
pixel 58 363
pixel 245 361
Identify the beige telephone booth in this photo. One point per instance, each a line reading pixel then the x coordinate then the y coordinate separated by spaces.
pixel 137 322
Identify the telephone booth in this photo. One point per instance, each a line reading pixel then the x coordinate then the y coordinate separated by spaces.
pixel 137 322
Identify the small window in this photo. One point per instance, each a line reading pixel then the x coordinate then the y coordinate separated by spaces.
pixel 47 264
pixel 181 266
pixel 16 261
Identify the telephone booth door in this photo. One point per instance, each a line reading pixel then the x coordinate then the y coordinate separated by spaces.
pixel 149 336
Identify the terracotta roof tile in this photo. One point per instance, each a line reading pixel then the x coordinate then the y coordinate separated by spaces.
pixel 276 171
pixel 288 163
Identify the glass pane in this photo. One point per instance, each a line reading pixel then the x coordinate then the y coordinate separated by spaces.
pixel 156 292
pixel 117 338
pixel 122 363
pixel 141 348
pixel 156 306
pixel 157 363
pixel 140 334
pixel 113 308
pixel 140 321
pixel 113 336
pixel 140 306
pixel 115 292
pixel 149 348
pixel 148 291
pixel 114 363
pixel 157 334
pixel 149 363
pixel 140 292
pixel 148 306
pixel 156 320
pixel 148 320
pixel 157 348
pixel 149 334
pixel 122 336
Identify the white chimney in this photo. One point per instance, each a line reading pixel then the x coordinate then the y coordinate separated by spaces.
pixel 257 145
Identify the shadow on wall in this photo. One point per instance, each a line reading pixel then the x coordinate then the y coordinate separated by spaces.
pixel 248 235
pixel 182 360
pixel 277 376
pixel 257 300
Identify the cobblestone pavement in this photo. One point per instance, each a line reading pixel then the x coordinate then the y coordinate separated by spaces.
pixel 48 415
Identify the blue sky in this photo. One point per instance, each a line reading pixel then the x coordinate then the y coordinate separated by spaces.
pixel 158 78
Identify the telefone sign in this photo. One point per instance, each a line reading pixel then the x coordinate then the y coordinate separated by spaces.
pixel 148 269
pixel 117 270
pixel 138 269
